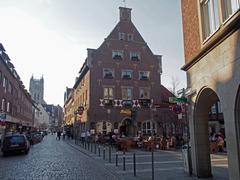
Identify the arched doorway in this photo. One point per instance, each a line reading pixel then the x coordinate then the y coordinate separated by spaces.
pixel 126 127
pixel 205 127
pixel 237 119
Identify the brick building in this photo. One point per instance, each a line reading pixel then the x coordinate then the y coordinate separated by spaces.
pixel 212 62
pixel 119 87
pixel 15 101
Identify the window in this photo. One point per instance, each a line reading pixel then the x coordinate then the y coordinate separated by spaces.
pixel 135 56
pixel 149 128
pixel 210 15
pixel 144 75
pixel 117 54
pixel 10 88
pixel 108 93
pixel 9 107
pixel 3 105
pixel 230 7
pixel 127 74
pixel 144 93
pixel 127 93
pixel 130 37
pixel 121 36
pixel 108 73
pixel 5 83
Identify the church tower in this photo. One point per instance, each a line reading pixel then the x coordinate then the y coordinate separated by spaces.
pixel 36 89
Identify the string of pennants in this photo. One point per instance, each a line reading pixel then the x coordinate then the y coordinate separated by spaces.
pixel 176 108
pixel 121 103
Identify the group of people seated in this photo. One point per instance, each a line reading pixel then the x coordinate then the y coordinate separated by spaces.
pixel 159 142
pixel 217 142
pixel 121 141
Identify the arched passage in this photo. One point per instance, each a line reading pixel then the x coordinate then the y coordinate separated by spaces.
pixel 237 118
pixel 206 98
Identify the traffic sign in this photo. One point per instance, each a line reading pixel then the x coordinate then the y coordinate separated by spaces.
pixel 177 100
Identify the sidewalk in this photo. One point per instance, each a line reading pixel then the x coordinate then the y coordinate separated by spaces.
pixel 168 165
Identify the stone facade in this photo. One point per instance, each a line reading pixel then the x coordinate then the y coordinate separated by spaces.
pixel 213 73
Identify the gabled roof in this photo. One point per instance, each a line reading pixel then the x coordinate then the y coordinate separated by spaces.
pixel 1 47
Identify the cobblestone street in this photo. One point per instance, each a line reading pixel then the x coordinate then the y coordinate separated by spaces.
pixel 52 159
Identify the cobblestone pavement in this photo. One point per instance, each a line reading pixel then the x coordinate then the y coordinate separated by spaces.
pixel 52 159
pixel 168 165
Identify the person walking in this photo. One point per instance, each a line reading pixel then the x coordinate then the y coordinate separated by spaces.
pixel 58 135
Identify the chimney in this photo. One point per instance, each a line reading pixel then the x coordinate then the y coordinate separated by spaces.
pixel 125 14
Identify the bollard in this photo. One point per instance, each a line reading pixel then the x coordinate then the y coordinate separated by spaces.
pixel 116 159
pixel 134 164
pixel 91 146
pixel 110 155
pixel 95 148
pixel 152 165
pixel 104 152
pixel 88 145
pixel 124 165
pixel 99 151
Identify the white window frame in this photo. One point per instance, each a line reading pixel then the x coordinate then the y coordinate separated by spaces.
pixel 121 36
pixel 229 7
pixel 145 90
pixel 135 54
pixel 210 17
pixel 144 74
pixel 127 72
pixel 8 107
pixel 152 129
pixel 108 92
pixel 130 37
pixel 3 105
pixel 117 53
pixel 129 93
pixel 105 73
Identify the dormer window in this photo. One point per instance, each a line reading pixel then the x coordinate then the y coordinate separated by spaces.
pixel 117 55
pixel 130 37
pixel 108 73
pixel 127 74
pixel 121 36
pixel 144 75
pixel 135 56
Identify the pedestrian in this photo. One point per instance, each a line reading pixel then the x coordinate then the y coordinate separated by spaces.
pixel 83 137
pixel 58 135
pixel 88 136
pixel 64 134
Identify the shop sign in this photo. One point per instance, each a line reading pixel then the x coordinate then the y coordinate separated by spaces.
pixel 126 111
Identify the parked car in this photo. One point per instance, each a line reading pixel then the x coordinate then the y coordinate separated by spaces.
pixel 36 137
pixel 15 143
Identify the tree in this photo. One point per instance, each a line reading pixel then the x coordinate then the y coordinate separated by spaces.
pixel 175 83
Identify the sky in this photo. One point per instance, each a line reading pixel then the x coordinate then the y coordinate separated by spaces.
pixel 50 38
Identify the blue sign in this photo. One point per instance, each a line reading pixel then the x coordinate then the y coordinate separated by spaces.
pixel 3 116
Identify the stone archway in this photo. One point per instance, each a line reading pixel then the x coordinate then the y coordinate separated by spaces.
pixel 205 99
pixel 237 120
